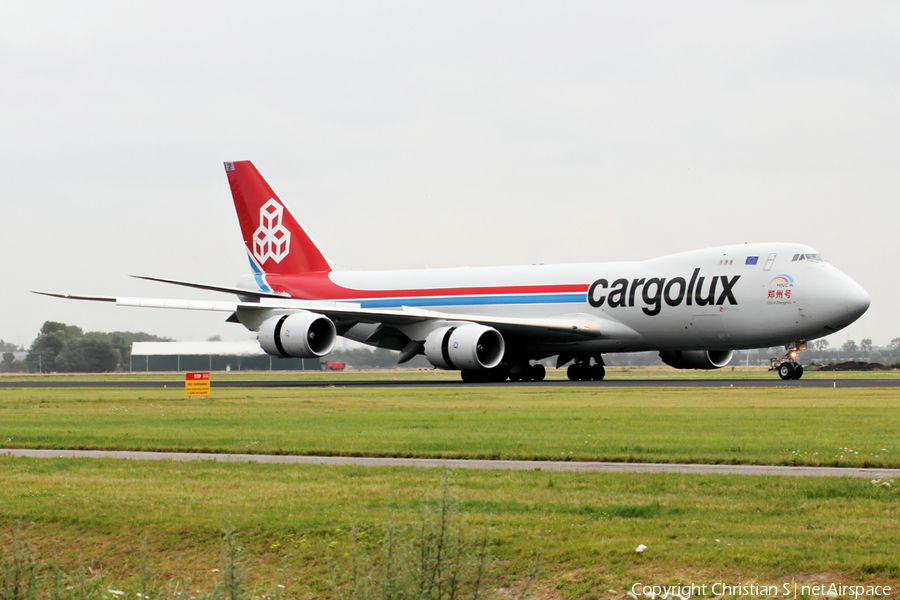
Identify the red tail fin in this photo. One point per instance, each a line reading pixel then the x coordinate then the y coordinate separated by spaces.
pixel 275 241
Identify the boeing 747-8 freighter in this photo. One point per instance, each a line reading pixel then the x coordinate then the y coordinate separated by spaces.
pixel 492 323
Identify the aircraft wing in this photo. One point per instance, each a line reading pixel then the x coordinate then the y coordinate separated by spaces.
pixel 576 326
pixel 562 328
pixel 153 302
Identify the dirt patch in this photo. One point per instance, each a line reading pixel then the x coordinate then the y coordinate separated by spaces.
pixel 857 366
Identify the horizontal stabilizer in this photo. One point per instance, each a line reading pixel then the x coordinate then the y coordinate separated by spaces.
pixel 217 288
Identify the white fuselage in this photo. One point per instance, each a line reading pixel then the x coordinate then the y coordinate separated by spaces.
pixel 725 298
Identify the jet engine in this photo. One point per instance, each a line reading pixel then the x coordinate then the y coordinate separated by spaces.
pixel 298 335
pixel 697 359
pixel 474 347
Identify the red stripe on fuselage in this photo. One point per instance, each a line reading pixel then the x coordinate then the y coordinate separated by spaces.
pixel 318 286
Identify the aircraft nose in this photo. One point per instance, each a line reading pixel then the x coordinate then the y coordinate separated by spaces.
pixel 857 300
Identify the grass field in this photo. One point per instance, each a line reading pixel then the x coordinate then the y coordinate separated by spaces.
pixel 303 524
pixel 781 426
pixel 299 522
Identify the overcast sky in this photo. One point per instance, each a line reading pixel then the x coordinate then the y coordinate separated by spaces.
pixel 412 134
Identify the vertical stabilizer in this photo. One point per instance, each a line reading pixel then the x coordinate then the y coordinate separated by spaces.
pixel 275 240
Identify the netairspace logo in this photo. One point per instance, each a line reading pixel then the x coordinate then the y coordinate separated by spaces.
pixel 785 590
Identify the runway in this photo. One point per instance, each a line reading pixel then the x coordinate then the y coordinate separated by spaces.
pixel 380 383
pixel 440 463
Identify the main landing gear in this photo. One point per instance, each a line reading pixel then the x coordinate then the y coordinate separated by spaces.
pixel 521 372
pixel 789 368
pixel 583 370
pixel 580 370
pixel 528 373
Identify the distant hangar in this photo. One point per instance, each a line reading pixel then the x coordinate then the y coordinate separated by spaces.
pixel 212 356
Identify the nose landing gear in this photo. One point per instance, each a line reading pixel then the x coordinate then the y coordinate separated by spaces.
pixel 788 368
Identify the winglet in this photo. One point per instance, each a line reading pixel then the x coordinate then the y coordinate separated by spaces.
pixel 275 240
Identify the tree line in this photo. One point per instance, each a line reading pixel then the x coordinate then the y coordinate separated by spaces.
pixel 821 351
pixel 65 348
pixel 7 349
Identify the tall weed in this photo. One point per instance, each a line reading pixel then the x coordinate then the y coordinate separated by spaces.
pixel 19 568
pixel 233 570
pixel 436 558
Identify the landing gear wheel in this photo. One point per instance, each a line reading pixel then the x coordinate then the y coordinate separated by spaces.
pixel 469 376
pixel 597 372
pixel 580 372
pixel 798 371
pixel 515 377
pixel 786 371
pixel 527 374
pixel 538 372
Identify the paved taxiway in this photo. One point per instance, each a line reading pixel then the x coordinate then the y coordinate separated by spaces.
pixel 441 463
pixel 336 382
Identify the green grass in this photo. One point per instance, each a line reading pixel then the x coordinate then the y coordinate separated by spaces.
pixel 299 523
pixel 792 426
pixel 302 523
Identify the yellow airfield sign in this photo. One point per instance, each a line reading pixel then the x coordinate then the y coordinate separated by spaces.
pixel 196 384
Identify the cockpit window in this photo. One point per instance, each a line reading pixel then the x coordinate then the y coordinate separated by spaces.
pixel 807 257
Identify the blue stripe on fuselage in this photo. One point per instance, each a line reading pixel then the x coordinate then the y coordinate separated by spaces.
pixel 471 300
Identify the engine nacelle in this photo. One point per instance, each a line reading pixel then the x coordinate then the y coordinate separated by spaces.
pixel 298 335
pixel 697 359
pixel 473 347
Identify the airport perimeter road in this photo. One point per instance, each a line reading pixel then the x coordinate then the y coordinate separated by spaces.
pixel 618 383
pixel 440 463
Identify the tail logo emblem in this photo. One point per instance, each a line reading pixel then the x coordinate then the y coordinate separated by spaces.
pixel 271 239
